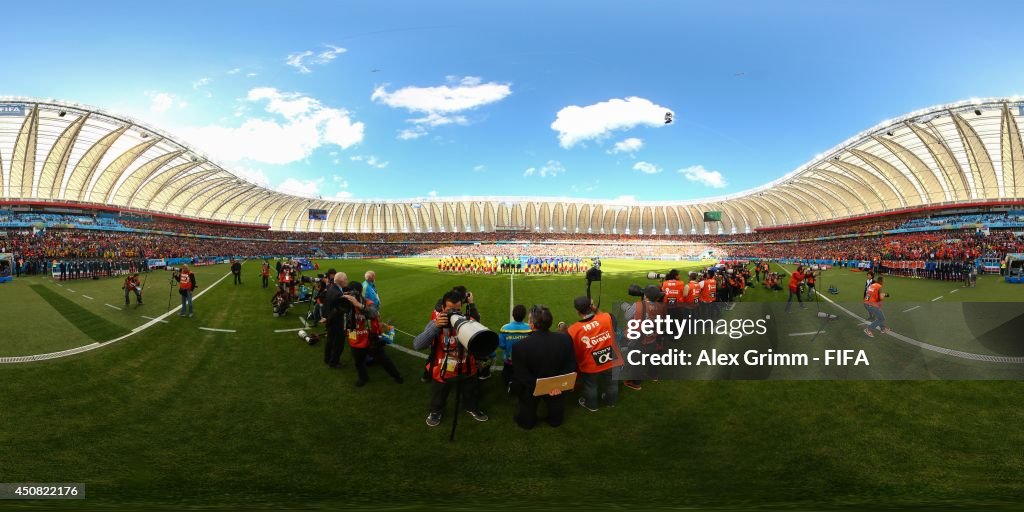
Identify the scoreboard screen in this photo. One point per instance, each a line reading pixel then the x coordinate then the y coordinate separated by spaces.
pixel 317 214
pixel 712 216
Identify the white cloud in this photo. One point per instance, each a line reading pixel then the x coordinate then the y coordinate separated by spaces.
pixel 440 104
pixel 630 145
pixel 699 174
pixel 576 124
pixel 250 75
pixel 256 176
pixel 625 199
pixel 234 71
pixel 371 160
pixel 305 188
pixel 200 83
pixel 553 168
pixel 299 125
pixel 432 193
pixel 479 168
pixel 295 60
pixel 412 133
pixel 328 55
pixel 646 168
pixel 342 195
pixel 161 102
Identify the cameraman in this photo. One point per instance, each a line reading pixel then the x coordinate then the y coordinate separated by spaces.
pixel 651 305
pixel 597 353
pixel 470 311
pixel 132 284
pixel 265 273
pixel 365 339
pixel 319 297
pixel 672 288
pixel 338 307
pixel 449 363
pixel 280 301
pixel 873 303
pixel 186 285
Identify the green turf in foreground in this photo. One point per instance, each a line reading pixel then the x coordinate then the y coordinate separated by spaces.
pixel 176 418
pixel 95 327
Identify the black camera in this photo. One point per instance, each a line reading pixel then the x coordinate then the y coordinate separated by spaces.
pixel 635 291
pixel 593 274
pixel 306 279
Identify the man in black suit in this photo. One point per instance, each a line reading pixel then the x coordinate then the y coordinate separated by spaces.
pixel 236 270
pixel 542 354
pixel 337 310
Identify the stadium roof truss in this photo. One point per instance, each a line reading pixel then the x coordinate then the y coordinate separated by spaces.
pixel 963 153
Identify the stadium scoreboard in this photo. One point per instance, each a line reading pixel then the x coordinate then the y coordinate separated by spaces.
pixel 317 214
pixel 712 216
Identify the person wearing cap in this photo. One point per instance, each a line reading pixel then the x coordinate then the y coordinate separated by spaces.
pixel 131 284
pixel 597 353
pixel 650 306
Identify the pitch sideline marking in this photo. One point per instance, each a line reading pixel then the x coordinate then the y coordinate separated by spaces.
pixel 93 346
pixel 112 306
pixel 88 297
pixel 151 318
pixel 928 346
pixel 937 298
pixel 289 330
pixel 911 309
pixel 805 333
pixel 217 330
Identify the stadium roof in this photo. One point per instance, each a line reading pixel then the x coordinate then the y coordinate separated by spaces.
pixel 956 154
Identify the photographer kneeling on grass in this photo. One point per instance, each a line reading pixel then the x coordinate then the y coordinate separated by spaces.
pixel 449 363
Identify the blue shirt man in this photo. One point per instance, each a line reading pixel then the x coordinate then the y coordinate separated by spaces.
pixel 370 287
pixel 510 334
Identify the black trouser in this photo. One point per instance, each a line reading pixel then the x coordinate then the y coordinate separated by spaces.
pixel 238 277
pixel 335 345
pixel 379 356
pixel 507 372
pixel 470 393
pixel 266 279
pixel 527 415
pixel 138 295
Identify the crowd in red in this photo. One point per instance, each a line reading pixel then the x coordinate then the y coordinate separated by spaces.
pixel 62 243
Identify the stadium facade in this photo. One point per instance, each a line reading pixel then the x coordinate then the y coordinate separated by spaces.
pixel 964 154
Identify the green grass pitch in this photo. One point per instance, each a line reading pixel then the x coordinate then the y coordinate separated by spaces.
pixel 176 417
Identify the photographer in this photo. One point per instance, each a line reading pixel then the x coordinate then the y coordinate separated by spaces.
pixel 338 307
pixel 265 273
pixel 365 340
pixel 449 363
pixel 597 353
pixel 672 288
pixel 795 279
pixel 280 301
pixel 811 276
pixel 322 285
pixel 132 284
pixel 707 293
pixel 873 303
pixel 470 311
pixel 541 354
pixel 650 305
pixel 186 285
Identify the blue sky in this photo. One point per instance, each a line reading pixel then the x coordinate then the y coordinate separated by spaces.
pixel 412 99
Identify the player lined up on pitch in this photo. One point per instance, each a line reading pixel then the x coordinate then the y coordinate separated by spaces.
pixel 513 264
